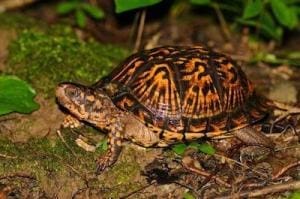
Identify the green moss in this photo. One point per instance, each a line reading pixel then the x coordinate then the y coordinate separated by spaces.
pixel 45 58
pixel 19 22
pixel 123 174
pixel 43 155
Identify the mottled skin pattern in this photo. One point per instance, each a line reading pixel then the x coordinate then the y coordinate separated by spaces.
pixel 166 95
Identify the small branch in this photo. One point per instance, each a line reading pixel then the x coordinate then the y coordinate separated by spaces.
pixel 84 145
pixel 8 156
pixel 285 169
pixel 222 21
pixel 140 31
pixel 17 175
pixel 294 185
pixel 12 4
pixel 65 143
pixel 242 165
pixel 188 164
pixel 138 190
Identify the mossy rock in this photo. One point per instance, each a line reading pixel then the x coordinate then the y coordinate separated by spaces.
pixel 45 60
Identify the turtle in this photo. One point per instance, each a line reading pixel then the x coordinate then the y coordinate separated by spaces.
pixel 167 95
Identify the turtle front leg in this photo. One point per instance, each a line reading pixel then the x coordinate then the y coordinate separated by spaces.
pixel 71 122
pixel 115 138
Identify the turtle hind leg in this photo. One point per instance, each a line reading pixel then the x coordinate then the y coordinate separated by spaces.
pixel 115 138
pixel 251 136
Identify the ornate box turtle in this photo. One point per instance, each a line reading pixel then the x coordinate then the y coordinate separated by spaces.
pixel 166 95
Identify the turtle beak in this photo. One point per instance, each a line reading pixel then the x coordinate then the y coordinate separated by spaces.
pixel 61 94
pixel 67 94
pixel 60 90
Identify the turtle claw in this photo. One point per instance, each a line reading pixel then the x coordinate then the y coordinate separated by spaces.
pixel 102 164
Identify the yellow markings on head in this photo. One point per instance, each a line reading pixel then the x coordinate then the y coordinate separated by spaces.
pixel 90 98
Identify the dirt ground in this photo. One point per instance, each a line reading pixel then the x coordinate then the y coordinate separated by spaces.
pixel 37 161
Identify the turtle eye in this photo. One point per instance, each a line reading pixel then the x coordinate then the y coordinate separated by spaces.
pixel 72 93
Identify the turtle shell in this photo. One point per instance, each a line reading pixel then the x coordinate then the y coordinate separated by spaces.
pixel 184 93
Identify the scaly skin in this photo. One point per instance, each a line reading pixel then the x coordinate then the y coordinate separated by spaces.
pixel 94 107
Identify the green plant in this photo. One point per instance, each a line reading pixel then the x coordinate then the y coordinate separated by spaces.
pixel 269 18
pixel 81 10
pixel 201 147
pixel 122 6
pixel 102 145
pixel 16 96
pixel 188 195
pixel 295 195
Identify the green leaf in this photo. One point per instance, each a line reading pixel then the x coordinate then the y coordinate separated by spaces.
pixel 66 7
pixel 125 5
pixel 206 148
pixel 194 145
pixel 284 14
pixel 294 15
pixel 203 147
pixel 179 148
pixel 93 11
pixel 295 195
pixel 269 27
pixel 253 8
pixel 188 195
pixel 103 145
pixel 200 2
pixel 80 18
pixel 266 25
pixel 16 96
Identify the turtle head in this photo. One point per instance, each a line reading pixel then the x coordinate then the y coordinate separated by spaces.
pixel 86 104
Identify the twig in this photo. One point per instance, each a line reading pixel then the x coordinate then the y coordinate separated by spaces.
pixel 138 190
pixel 187 163
pixel 78 191
pixel 84 145
pixel 83 177
pixel 65 143
pixel 17 175
pixel 12 4
pixel 8 156
pixel 285 169
pixel 243 165
pixel 222 21
pixel 288 147
pixel 189 188
pixel 4 119
pixel 267 190
pixel 140 31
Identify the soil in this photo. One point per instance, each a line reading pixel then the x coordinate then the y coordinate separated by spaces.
pixel 40 162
